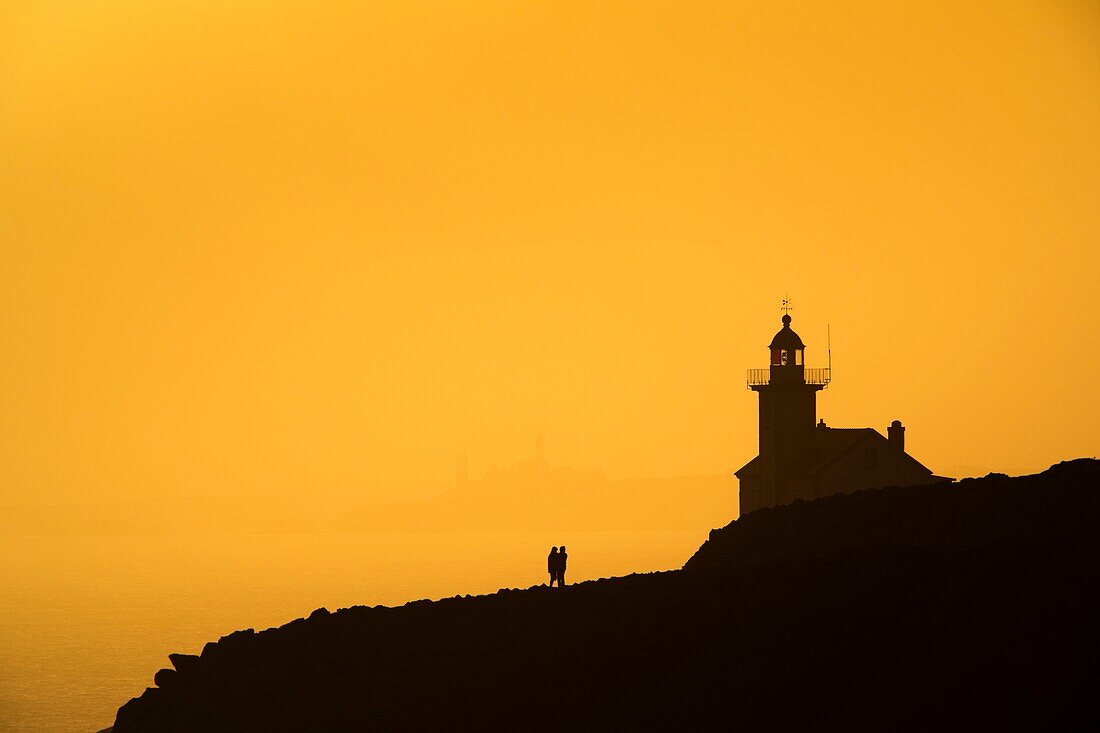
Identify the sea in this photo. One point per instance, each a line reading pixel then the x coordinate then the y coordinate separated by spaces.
pixel 86 621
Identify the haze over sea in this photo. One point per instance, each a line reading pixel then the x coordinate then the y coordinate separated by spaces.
pixel 85 621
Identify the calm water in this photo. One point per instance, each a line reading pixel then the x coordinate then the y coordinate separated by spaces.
pixel 86 621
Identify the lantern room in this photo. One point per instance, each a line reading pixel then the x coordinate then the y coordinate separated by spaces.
pixel 786 348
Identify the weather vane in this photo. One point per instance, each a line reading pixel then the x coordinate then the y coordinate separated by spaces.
pixel 787 306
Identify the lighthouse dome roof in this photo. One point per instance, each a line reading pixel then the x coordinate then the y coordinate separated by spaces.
pixel 786 338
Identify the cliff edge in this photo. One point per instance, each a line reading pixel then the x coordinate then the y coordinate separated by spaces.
pixel 951 605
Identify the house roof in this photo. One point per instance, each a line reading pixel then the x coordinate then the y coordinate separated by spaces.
pixel 834 443
pixel 749 469
pixel 829 446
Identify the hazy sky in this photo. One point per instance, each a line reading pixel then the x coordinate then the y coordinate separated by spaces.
pixel 316 248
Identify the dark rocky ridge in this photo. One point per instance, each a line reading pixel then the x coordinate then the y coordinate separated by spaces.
pixel 956 605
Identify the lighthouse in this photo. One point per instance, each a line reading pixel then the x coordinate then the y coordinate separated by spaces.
pixel 801 457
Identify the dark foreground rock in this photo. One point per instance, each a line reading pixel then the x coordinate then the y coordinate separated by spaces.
pixel 967 605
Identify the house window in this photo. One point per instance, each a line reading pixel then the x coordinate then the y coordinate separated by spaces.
pixel 776 356
pixel 783 354
pixel 798 357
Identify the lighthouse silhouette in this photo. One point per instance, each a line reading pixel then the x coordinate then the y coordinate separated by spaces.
pixel 802 458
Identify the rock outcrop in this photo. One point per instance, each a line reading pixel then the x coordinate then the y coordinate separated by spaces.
pixel 949 606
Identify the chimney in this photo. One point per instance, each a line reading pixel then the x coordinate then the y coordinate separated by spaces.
pixel 896 434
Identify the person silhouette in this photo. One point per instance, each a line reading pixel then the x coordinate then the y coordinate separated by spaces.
pixel 552 565
pixel 562 558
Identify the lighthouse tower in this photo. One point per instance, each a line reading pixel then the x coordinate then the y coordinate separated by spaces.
pixel 788 413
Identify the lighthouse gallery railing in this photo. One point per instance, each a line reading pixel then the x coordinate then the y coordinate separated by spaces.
pixel 760 377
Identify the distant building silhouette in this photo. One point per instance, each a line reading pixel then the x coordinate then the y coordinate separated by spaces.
pixel 531 468
pixel 801 460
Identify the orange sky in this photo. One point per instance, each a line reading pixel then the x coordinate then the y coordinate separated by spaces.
pixel 315 247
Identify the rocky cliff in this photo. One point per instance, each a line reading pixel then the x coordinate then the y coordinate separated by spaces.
pixel 956 605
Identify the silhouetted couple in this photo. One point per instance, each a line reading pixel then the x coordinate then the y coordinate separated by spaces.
pixel 555 563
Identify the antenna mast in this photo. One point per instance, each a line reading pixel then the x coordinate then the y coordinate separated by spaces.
pixel 829 347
